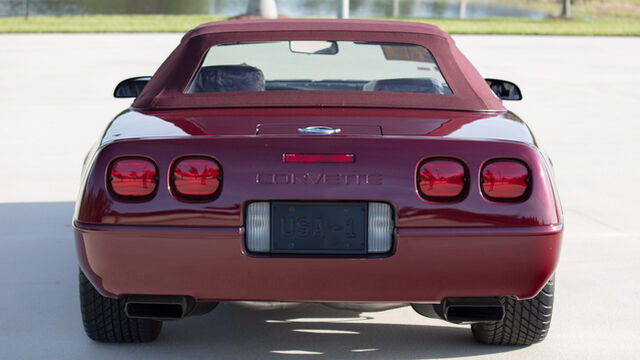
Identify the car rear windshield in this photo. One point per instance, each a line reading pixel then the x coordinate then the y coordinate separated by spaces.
pixel 318 65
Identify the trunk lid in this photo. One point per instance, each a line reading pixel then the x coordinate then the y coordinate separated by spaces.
pixel 286 122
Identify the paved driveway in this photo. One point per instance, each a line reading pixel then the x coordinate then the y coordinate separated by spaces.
pixel 581 96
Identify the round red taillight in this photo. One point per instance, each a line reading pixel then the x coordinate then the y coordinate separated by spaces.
pixel 505 180
pixel 195 177
pixel 133 177
pixel 442 179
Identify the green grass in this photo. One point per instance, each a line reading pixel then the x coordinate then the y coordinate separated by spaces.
pixel 104 23
pixel 181 23
pixel 519 26
pixel 582 8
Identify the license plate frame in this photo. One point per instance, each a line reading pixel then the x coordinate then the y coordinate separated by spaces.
pixel 328 228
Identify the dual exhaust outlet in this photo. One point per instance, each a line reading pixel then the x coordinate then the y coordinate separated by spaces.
pixel 454 310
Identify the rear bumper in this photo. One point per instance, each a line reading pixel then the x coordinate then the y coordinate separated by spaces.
pixel 210 264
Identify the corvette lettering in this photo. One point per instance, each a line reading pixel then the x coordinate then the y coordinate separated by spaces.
pixel 318 179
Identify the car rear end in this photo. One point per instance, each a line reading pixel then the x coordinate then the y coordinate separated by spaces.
pixel 319 218
pixel 317 161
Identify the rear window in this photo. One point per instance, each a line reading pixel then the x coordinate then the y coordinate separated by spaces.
pixel 318 65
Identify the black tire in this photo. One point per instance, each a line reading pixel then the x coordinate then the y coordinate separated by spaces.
pixel 104 318
pixel 525 322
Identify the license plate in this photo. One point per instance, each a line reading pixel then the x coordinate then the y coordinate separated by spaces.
pixel 322 228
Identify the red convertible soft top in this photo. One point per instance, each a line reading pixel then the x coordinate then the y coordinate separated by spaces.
pixel 166 90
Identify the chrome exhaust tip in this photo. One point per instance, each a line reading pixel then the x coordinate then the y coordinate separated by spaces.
pixel 157 307
pixel 472 310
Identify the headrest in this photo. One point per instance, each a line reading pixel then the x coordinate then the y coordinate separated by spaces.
pixel 410 85
pixel 224 78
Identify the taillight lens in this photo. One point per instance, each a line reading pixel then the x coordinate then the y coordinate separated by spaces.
pixel 505 180
pixel 133 177
pixel 442 179
pixel 195 177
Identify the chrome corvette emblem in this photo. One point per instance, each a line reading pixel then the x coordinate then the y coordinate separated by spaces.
pixel 319 130
pixel 308 178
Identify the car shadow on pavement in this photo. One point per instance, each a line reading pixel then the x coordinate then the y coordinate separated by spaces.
pixel 38 274
pixel 314 330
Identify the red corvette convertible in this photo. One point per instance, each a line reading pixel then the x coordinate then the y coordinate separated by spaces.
pixel 320 161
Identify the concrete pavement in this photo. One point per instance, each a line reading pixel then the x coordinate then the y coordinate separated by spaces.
pixel 580 94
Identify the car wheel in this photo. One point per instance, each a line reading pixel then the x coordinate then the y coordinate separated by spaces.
pixel 525 322
pixel 104 318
